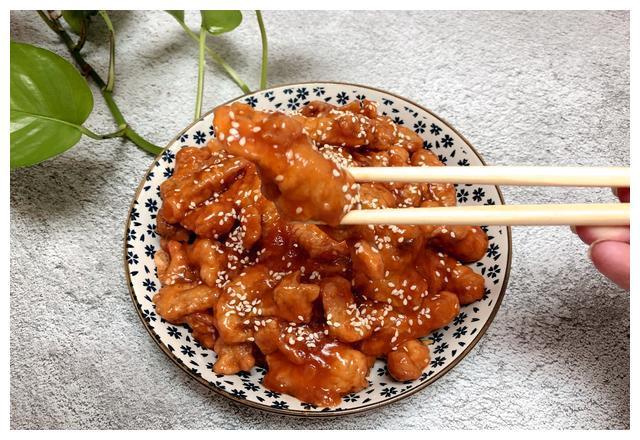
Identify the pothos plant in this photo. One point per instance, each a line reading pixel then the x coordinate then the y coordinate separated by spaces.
pixel 51 100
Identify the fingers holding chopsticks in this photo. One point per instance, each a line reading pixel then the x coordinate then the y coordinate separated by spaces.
pixel 609 246
pixel 591 234
pixel 623 194
pixel 611 258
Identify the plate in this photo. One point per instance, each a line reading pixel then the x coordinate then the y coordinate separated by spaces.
pixel 449 345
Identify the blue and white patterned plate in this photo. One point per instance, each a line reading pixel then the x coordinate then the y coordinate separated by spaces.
pixel 449 344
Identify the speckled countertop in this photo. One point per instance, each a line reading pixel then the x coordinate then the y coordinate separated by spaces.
pixel 524 87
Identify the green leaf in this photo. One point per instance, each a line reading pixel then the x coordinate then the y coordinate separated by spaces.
pixel 50 101
pixel 219 22
pixel 178 15
pixel 75 19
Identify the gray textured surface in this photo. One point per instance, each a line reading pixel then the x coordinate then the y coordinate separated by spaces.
pixel 523 87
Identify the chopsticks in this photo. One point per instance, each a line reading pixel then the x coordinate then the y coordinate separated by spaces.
pixel 605 214
pixel 497 175
pixel 584 214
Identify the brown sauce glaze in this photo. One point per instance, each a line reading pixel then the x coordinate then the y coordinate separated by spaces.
pixel 317 304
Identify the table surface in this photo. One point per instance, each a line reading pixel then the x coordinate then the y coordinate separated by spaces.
pixel 532 88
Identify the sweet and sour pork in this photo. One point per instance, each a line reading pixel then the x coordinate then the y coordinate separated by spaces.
pixel 315 304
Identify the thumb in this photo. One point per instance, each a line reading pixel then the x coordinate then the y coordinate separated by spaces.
pixel 612 259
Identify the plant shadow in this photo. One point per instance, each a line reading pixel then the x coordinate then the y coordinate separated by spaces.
pixel 98 33
pixel 61 187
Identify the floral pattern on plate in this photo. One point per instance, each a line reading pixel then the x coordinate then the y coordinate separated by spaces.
pixel 448 344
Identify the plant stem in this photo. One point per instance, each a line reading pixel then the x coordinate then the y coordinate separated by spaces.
pixel 141 142
pixel 201 46
pixel 265 49
pixel 218 59
pixel 87 70
pixel 111 78
pixel 93 135
pixel 83 36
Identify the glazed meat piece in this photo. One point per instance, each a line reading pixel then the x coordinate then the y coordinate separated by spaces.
pixel 233 358
pixel 443 193
pixel 211 221
pixel 323 378
pixel 251 225
pixel 409 195
pixel 445 273
pixel 436 268
pixel 302 183
pixel 376 196
pixel 338 127
pixel 345 320
pixel 398 246
pixel 171 231
pixel 203 327
pixel 294 300
pixel 408 139
pixel 184 194
pixel 466 243
pixel 321 108
pixel 352 125
pixel 356 124
pixel 318 243
pixel 468 285
pixel 190 160
pixel 314 304
pixel 371 158
pixel 393 328
pixel 404 290
pixel 367 261
pixel 268 335
pixel 276 242
pixel 362 107
pixel 241 303
pixel 408 360
pixel 173 264
pixel 316 108
pixel 209 258
pixel 174 301
pixel 398 157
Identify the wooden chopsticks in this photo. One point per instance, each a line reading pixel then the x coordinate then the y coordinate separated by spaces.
pixel 498 175
pixel 605 214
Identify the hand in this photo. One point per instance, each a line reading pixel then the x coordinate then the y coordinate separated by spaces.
pixel 609 246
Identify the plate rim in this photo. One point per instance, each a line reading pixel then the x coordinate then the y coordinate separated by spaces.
pixel 302 413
